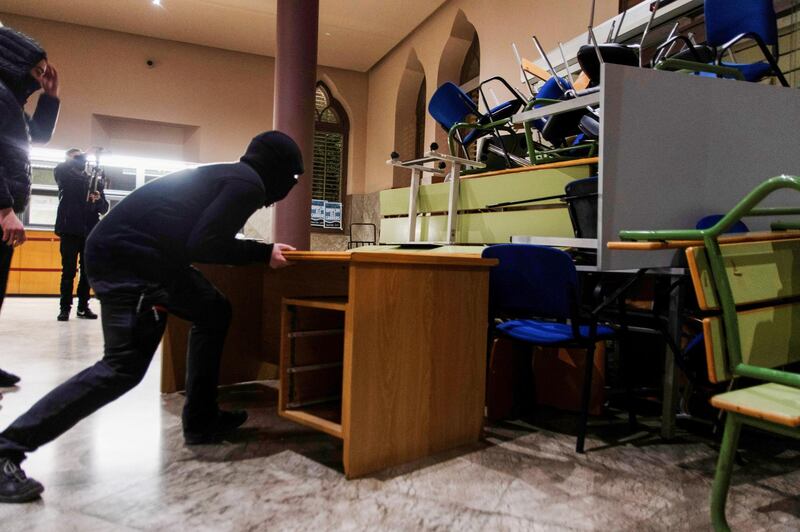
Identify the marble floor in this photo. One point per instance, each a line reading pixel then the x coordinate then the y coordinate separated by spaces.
pixel 126 468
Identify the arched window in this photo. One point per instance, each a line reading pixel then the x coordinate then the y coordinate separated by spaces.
pixel 471 68
pixel 471 75
pixel 331 132
pixel 419 141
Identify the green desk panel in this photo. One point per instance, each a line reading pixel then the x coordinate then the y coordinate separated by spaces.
pixel 478 192
pixel 483 228
pixel 757 271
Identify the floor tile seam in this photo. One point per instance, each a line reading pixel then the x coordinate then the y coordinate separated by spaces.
pixel 456 505
pixel 73 510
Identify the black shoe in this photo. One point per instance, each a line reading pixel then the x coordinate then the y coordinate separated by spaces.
pixel 63 315
pixel 15 486
pixel 7 379
pixel 86 314
pixel 216 432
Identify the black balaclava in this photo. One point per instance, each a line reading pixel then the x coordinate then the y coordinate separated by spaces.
pixel 277 160
pixel 18 55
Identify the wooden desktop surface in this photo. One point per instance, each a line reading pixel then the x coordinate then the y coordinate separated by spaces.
pixel 545 166
pixel 444 256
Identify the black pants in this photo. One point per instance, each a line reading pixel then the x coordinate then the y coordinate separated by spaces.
pixel 6 252
pixel 72 247
pixel 132 331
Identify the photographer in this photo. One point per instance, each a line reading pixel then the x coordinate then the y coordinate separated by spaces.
pixel 81 202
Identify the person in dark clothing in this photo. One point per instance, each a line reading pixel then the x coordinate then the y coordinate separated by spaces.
pixel 23 70
pixel 79 210
pixel 139 263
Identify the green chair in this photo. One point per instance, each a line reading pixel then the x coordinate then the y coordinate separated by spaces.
pixel 749 291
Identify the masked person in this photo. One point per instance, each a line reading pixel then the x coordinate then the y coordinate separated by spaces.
pixel 79 210
pixel 139 263
pixel 23 70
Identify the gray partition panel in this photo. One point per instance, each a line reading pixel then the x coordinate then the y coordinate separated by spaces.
pixel 676 147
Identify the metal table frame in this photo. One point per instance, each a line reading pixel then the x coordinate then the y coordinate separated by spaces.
pixel 417 167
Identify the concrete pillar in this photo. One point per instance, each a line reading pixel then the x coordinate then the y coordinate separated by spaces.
pixel 295 81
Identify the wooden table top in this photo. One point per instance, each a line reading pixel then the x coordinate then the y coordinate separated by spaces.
pixel 547 166
pixel 443 256
pixel 737 238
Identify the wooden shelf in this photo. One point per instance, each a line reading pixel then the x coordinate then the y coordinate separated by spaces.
pixel 317 416
pixel 328 303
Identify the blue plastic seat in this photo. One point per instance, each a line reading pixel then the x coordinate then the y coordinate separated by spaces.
pixel 549 333
pixel 537 287
pixel 727 25
pixel 711 220
pixel 451 106
pixel 551 90
pixel 751 71
pixel 499 112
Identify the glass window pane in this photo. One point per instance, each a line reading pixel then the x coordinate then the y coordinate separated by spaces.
pixel 42 176
pixel 149 174
pixel 321 99
pixel 113 201
pixel 42 209
pixel 327 166
pixel 120 178
pixel 329 115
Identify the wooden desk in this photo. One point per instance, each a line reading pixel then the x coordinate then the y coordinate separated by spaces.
pixel 409 328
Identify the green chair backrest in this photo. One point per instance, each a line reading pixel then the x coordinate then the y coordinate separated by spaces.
pixel 764 281
pixel 752 289
pixel 751 286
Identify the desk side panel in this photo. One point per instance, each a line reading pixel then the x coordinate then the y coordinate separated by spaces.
pixel 252 346
pixel 415 363
pixel 242 357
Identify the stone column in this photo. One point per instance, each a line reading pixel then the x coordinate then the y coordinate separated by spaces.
pixel 295 82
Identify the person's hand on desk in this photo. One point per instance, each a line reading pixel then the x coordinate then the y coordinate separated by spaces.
pixel 277 260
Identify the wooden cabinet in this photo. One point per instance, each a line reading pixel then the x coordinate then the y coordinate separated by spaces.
pixel 36 266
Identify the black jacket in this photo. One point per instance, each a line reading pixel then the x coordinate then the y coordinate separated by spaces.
pixel 18 54
pixel 193 215
pixel 75 215
pixel 162 227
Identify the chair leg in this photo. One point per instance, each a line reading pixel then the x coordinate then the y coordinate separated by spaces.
pixel 722 477
pixel 523 392
pixel 628 376
pixel 624 363
pixel 585 398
